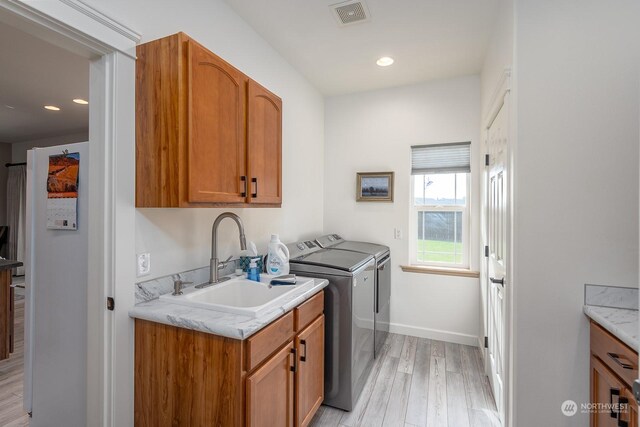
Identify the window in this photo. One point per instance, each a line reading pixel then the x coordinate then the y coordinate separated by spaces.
pixel 440 205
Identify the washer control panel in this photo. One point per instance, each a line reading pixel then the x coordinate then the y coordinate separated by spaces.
pixel 302 248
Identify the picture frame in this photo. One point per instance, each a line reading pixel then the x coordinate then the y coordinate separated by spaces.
pixel 374 187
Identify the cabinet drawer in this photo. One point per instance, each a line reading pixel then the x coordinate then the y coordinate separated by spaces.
pixel 622 360
pixel 268 340
pixel 309 310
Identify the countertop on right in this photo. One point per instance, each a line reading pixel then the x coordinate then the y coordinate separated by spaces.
pixel 621 322
pixel 615 309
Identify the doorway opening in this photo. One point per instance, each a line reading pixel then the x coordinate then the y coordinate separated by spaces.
pixel 44 106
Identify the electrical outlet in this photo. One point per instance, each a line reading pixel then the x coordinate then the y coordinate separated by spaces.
pixel 397 233
pixel 144 264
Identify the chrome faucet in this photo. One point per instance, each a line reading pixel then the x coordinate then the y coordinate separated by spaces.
pixel 215 265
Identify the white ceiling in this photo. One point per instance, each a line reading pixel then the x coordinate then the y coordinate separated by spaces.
pixel 429 39
pixel 34 73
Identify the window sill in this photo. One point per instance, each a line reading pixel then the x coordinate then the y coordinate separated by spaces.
pixel 443 271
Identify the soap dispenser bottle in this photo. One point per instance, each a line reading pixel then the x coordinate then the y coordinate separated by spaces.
pixel 254 271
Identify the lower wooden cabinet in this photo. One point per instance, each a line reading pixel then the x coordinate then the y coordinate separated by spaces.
pixel 310 371
pixel 270 394
pixel 301 364
pixel 606 389
pixel 6 314
pixel 629 418
pixel 275 378
pixel 613 368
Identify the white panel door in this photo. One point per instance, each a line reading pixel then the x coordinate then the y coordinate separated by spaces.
pixel 497 266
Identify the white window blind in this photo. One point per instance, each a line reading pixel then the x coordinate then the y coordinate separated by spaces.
pixel 441 158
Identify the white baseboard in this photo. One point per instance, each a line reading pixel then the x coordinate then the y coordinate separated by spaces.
pixel 435 334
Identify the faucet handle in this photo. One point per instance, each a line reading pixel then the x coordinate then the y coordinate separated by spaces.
pixel 223 264
pixel 177 286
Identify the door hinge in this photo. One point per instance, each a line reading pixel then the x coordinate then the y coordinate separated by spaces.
pixel 111 303
pixel 486 160
pixel 486 342
pixel 486 251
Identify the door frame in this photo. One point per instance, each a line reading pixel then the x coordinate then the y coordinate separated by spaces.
pixel 110 46
pixel 499 99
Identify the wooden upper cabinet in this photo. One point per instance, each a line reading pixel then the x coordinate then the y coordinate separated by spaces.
pixel 204 130
pixel 216 154
pixel 265 145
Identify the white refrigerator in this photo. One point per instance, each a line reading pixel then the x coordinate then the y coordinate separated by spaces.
pixel 55 374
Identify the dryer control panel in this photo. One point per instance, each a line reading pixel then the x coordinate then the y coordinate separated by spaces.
pixel 329 240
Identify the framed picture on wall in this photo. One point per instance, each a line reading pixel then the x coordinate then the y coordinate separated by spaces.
pixel 374 187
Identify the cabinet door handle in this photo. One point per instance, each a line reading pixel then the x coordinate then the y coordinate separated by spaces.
pixel 294 368
pixel 303 358
pixel 255 181
pixel 613 392
pixel 244 186
pixel 623 362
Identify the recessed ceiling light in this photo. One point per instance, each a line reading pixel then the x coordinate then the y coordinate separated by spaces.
pixel 52 107
pixel 385 61
pixel 80 101
pixel 11 107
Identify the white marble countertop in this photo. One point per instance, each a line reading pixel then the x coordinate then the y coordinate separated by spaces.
pixel 217 322
pixel 621 322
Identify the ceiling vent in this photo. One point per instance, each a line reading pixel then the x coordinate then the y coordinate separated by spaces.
pixel 350 12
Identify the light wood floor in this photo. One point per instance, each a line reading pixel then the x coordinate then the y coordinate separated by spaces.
pixel 11 374
pixel 420 382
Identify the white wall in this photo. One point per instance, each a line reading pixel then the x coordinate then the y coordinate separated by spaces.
pixel 499 54
pixel 19 149
pixel 577 65
pixel 179 239
pixel 373 131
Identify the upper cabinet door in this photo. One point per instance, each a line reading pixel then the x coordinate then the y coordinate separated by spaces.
pixel 216 143
pixel 265 145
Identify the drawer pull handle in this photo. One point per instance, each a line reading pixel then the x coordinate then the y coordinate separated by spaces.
pixel 613 392
pixel 303 358
pixel 623 362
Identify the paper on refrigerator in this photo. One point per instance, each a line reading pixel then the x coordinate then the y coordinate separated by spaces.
pixel 62 191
